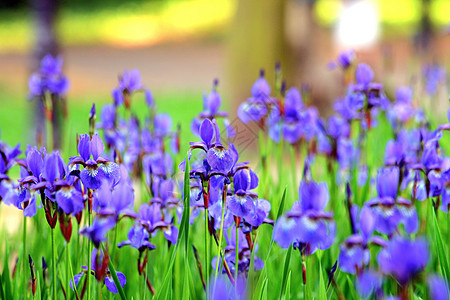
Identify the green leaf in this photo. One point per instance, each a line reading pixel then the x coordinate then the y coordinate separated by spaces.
pixel 322 293
pixel 115 278
pixel 2 296
pixel 263 292
pixel 263 275
pixel 287 294
pixel 6 281
pixel 442 254
pixel 184 229
pixel 285 271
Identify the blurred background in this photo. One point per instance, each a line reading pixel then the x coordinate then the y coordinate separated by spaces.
pixel 180 46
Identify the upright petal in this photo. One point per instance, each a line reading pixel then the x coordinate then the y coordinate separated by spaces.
pixel 96 146
pixel 83 146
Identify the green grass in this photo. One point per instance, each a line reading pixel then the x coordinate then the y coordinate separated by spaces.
pixel 17 119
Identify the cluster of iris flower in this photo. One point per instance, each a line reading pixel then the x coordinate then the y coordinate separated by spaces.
pixel 97 187
pixel 414 169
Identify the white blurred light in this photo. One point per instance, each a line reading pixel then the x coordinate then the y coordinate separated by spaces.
pixel 357 26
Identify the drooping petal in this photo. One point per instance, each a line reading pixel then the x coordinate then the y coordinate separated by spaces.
pixel 438 288
pixel 30 210
pixel 240 206
pixel 70 200
pixel 92 176
pixel 220 159
pixel 284 232
pixel 77 279
pixel 368 282
pixel 109 282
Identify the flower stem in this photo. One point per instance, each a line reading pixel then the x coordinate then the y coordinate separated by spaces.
pixel 206 252
pixel 54 263
pixel 219 253
pixel 24 256
pixel 236 262
pixel 89 260
pixel 67 271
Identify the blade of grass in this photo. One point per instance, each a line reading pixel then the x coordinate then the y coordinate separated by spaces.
pixel 322 293
pixel 442 254
pixel 263 275
pixel 115 278
pixel 285 271
pixel 162 292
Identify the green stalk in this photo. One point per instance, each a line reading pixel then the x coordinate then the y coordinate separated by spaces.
pixel 220 240
pixel 206 252
pixel 67 272
pixel 24 257
pixel 115 278
pixel 219 253
pixel 89 260
pixel 54 263
pixel 236 263
pixel 71 272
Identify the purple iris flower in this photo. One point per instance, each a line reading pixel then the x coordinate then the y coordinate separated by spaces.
pixel 241 204
pixel 307 225
pixel 97 231
pixel 354 251
pixel 8 157
pixel 403 258
pixel 49 78
pixel 388 209
pixel 344 60
pixel 222 289
pixel 69 196
pixel 211 106
pixel 151 217
pixel 115 201
pixel 259 105
pixel 438 287
pixel 97 168
pixel 129 82
pixel 402 110
pixel 163 191
pixel 403 149
pixel 244 254
pixel 138 238
pixel 435 75
pixel 368 282
pixel 108 281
